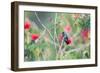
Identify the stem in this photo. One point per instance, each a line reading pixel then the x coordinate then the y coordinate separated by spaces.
pixel 60 49
pixel 55 29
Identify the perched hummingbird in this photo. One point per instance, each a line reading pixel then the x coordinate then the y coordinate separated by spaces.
pixel 64 36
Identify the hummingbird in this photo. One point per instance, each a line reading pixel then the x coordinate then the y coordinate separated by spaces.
pixel 64 36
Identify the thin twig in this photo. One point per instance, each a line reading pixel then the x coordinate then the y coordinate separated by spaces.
pixel 55 29
pixel 60 48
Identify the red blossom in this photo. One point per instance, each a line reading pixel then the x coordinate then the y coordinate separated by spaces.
pixel 27 25
pixel 68 28
pixel 34 36
pixel 85 34
pixel 68 41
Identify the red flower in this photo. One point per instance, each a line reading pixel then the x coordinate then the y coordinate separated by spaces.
pixel 85 34
pixel 68 41
pixel 68 28
pixel 27 25
pixel 34 36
